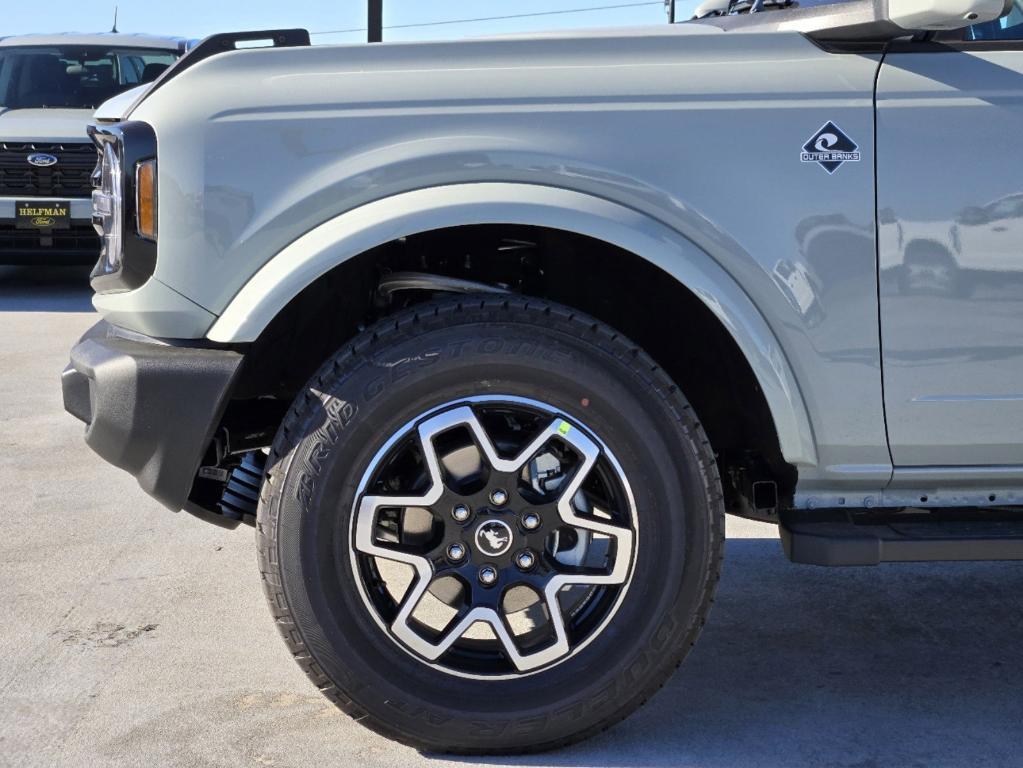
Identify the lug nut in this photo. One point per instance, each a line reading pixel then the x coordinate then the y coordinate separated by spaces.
pixel 525 560
pixel 460 513
pixel 456 551
pixel 487 575
pixel 499 497
pixel 531 521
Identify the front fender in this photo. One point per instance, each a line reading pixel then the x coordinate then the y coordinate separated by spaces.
pixel 409 213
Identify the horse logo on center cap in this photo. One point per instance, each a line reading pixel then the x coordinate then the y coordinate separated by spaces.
pixel 493 538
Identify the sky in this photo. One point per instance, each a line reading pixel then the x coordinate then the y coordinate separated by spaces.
pixel 198 18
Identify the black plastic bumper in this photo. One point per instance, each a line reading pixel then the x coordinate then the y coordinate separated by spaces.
pixel 149 407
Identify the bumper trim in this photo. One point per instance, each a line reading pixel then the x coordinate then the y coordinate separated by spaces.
pixel 149 408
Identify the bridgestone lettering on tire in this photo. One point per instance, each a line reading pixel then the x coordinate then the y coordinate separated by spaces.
pixel 490 525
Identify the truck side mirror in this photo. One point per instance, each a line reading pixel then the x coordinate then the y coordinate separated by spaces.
pixel 936 15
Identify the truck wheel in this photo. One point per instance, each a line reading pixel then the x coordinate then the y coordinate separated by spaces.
pixel 490 525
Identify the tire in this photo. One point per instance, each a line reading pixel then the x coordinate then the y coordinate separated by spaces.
pixel 522 359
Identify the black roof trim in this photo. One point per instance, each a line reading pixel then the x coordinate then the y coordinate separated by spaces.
pixel 223 43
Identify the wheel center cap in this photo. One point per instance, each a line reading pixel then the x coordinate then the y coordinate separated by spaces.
pixel 493 538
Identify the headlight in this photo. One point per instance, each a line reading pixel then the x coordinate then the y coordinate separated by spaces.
pixel 108 207
pixel 124 205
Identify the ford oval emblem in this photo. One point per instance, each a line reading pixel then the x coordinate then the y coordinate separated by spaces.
pixel 41 160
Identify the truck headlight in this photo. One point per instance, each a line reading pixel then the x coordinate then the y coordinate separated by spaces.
pixel 145 199
pixel 124 205
pixel 108 207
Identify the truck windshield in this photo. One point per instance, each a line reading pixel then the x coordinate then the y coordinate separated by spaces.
pixel 75 77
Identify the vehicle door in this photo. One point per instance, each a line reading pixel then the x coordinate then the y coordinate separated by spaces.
pixel 950 240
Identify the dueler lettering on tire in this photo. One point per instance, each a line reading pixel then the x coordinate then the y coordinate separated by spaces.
pixel 490 525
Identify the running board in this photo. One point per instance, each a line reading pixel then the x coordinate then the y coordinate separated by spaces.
pixel 841 538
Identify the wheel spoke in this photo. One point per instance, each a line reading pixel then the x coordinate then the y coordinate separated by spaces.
pixel 514 464
pixel 622 536
pixel 365 522
pixel 590 452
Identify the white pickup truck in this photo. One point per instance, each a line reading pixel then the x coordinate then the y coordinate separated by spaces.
pixel 49 87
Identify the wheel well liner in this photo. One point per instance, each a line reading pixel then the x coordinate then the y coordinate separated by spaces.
pixel 318 258
pixel 656 312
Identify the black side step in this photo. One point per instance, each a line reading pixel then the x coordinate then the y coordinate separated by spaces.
pixel 838 537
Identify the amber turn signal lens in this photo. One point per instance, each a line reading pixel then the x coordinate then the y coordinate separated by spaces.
pixel 145 198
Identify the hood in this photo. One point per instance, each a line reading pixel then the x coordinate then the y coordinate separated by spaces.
pixel 117 108
pixel 48 125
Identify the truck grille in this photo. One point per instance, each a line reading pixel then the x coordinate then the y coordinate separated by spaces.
pixel 68 178
pixel 78 244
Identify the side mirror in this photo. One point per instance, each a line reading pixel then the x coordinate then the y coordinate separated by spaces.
pixel 859 21
pixel 936 15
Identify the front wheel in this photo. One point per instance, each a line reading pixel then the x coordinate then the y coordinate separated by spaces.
pixel 490 525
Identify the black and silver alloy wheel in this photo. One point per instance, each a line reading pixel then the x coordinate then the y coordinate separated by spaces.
pixel 490 525
pixel 506 514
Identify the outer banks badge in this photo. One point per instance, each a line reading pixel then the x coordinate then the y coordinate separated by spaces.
pixel 829 148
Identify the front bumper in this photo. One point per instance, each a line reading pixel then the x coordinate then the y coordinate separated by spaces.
pixel 78 244
pixel 149 407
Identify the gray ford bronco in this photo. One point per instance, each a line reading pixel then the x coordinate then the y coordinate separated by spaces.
pixel 49 87
pixel 485 337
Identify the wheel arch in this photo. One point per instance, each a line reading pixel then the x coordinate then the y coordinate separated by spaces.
pixel 370 226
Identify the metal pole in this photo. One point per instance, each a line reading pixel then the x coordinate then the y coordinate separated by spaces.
pixel 375 21
pixel 671 11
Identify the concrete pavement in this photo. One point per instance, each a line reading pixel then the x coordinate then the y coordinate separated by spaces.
pixel 130 636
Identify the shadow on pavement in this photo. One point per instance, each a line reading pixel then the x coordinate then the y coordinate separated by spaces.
pixel 899 665
pixel 45 289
